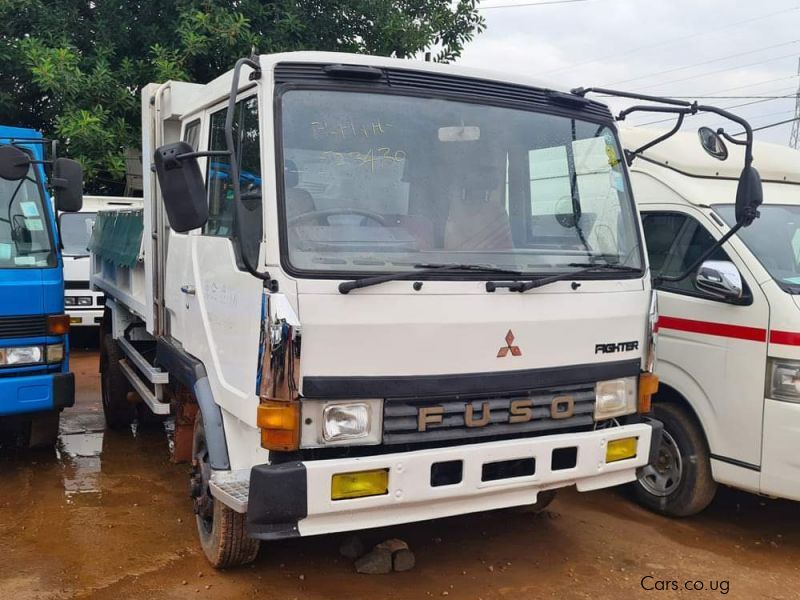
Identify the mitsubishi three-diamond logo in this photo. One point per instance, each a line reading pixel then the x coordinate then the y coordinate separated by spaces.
pixel 509 347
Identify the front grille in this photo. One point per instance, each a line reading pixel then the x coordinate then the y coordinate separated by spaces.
pixel 19 327
pixel 400 416
pixel 76 285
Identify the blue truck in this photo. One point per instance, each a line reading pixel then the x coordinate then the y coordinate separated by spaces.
pixel 35 382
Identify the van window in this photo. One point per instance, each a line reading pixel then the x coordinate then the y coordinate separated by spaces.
pixel 191 135
pixel 674 242
pixel 218 180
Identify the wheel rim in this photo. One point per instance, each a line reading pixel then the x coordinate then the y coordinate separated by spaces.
pixel 663 476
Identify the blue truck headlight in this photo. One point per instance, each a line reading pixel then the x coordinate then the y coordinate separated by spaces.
pixel 21 355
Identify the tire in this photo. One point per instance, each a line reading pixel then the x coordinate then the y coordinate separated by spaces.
pixel 43 430
pixel 222 531
pixel 680 483
pixel 114 386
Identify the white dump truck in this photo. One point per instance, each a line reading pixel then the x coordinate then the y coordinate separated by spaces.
pixel 374 291
pixel 83 304
pixel 729 331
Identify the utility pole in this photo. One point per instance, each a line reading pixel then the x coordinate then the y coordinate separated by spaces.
pixel 794 138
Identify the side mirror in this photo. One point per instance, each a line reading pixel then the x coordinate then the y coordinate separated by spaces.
pixel 720 278
pixel 182 186
pixel 749 196
pixel 67 184
pixel 14 163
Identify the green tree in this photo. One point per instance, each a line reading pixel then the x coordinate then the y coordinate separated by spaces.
pixel 74 68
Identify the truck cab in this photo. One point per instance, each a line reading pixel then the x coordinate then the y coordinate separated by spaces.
pixel 83 304
pixel 728 333
pixel 376 291
pixel 35 382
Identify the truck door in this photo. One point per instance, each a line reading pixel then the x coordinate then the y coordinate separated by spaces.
pixel 711 351
pixel 220 302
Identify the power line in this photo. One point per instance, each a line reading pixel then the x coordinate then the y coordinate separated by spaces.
pixel 759 62
pixel 531 4
pixel 770 99
pixel 708 62
pixel 669 41
pixel 771 125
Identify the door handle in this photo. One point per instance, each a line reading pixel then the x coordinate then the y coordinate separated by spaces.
pixel 188 289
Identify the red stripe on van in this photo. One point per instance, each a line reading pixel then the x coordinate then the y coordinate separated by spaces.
pixel 787 338
pixel 739 332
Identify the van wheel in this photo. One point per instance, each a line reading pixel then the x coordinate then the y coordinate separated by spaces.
pixel 679 483
pixel 114 386
pixel 222 531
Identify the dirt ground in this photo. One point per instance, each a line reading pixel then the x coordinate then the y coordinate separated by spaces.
pixel 108 516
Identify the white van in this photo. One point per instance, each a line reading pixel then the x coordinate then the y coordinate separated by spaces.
pixel 729 333
pixel 84 305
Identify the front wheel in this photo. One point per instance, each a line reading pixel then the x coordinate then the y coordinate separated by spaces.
pixel 222 531
pixel 679 483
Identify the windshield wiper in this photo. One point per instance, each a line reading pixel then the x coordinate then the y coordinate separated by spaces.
pixel 422 269
pixel 524 286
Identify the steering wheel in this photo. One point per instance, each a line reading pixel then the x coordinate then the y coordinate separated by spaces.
pixel 321 214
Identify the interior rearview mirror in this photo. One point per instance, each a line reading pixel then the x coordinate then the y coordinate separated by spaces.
pixel 14 163
pixel 720 278
pixel 749 196
pixel 182 186
pixel 459 134
pixel 67 184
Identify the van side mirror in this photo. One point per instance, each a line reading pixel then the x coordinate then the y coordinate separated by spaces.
pixel 182 186
pixel 720 278
pixel 749 196
pixel 14 163
pixel 67 184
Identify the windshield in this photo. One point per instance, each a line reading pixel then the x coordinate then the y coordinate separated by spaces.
pixel 377 183
pixel 774 238
pixel 76 229
pixel 24 236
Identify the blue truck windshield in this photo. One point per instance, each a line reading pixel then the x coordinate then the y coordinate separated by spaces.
pixel 378 182
pixel 25 240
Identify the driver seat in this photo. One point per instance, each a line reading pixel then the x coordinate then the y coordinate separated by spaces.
pixel 298 200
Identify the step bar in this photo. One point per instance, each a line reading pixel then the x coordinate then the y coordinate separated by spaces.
pixel 154 375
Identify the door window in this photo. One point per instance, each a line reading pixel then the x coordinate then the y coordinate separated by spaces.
pixel 218 179
pixel 674 242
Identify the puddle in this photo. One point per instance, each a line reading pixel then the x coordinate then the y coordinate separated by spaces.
pixel 80 454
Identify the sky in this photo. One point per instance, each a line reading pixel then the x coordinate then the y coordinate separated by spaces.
pixel 662 47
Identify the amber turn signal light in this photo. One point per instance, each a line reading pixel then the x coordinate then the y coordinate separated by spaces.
pixel 57 324
pixel 280 425
pixel 648 385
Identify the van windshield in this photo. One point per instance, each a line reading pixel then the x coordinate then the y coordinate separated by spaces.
pixel 377 183
pixel 25 240
pixel 774 238
pixel 76 229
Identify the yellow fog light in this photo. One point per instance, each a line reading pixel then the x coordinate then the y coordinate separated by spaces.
pixel 621 449
pixel 360 484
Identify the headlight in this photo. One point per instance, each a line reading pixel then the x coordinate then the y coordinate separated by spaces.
pixel 70 300
pixel 341 422
pixel 21 355
pixel 614 398
pixel 784 381
pixel 55 353
pixel 345 422
pixel 84 300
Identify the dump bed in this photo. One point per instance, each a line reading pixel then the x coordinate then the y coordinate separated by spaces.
pixel 118 265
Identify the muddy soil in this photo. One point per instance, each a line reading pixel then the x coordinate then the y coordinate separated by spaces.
pixel 106 515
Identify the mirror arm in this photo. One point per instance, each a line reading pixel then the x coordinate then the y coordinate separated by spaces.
pixel 658 280
pixel 234 166
pixel 730 138
pixel 629 156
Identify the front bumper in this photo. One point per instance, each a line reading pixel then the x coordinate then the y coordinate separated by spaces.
pixel 81 317
pixel 25 393
pixel 293 499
